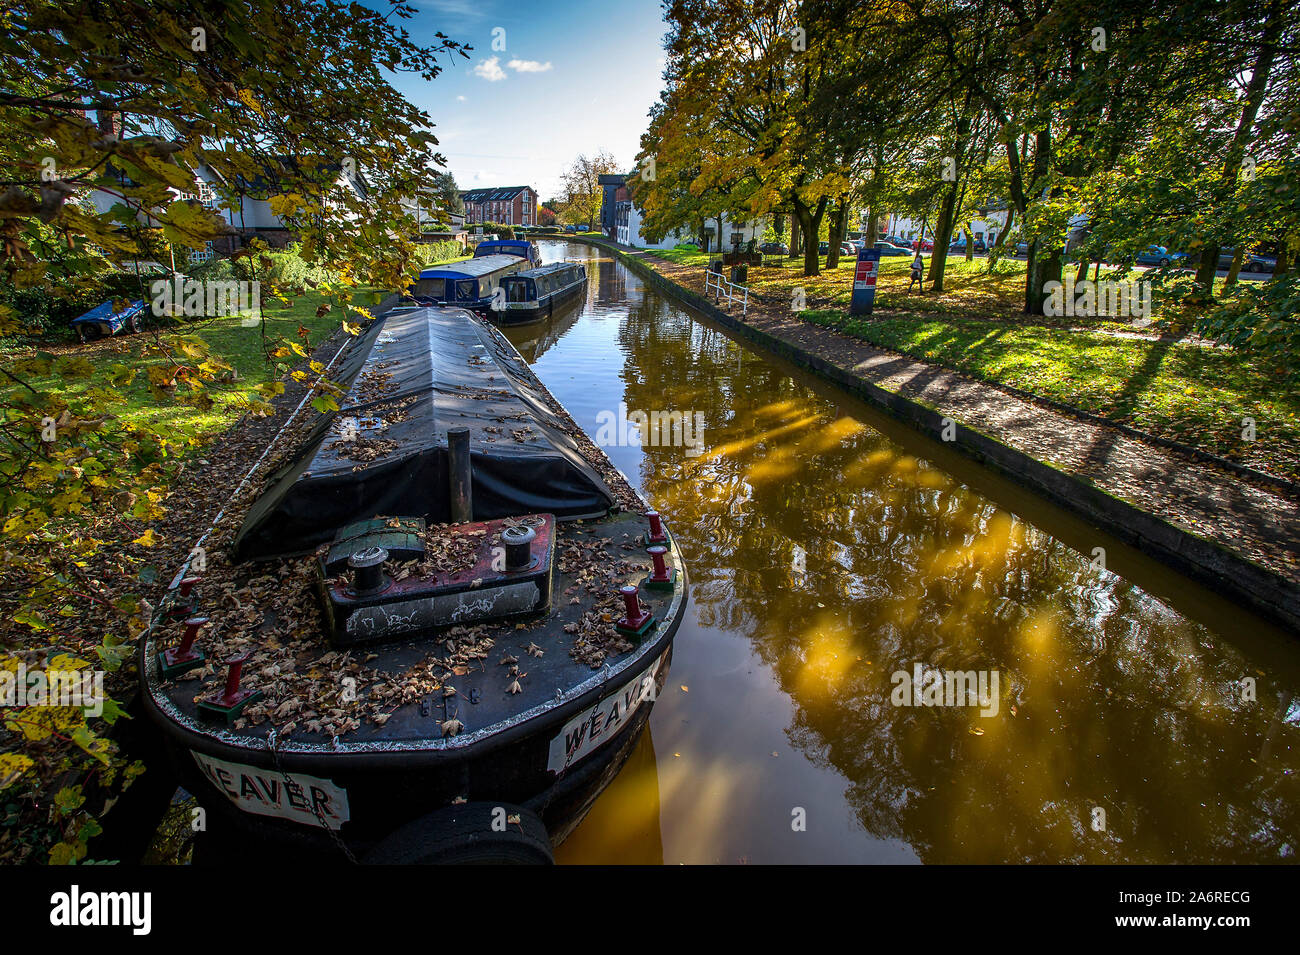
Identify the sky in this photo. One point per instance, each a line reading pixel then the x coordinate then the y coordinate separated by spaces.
pixel 574 77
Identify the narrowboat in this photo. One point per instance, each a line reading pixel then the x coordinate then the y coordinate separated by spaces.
pixel 431 631
pixel 104 321
pixel 470 284
pixel 521 247
pixel 534 294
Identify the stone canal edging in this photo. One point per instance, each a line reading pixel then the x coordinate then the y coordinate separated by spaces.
pixel 1268 593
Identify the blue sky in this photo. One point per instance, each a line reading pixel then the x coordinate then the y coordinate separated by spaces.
pixel 574 77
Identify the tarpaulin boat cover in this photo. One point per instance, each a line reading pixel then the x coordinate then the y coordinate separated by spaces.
pixel 412 375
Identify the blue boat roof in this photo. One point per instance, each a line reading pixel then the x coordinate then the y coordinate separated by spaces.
pixel 472 268
pixel 523 245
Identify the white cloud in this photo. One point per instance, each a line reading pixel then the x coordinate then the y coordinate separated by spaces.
pixel 490 69
pixel 529 66
pixel 460 99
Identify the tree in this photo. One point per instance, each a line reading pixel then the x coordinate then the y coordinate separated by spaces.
pixel 256 93
pixel 583 194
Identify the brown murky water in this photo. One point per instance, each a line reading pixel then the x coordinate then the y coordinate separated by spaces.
pixel 829 549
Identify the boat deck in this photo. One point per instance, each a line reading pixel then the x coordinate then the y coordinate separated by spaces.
pixel 408 692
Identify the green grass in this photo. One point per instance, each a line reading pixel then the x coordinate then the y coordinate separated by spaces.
pixel 1186 392
pixel 238 340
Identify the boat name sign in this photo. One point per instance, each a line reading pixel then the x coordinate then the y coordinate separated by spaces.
pixel 265 792
pixel 592 728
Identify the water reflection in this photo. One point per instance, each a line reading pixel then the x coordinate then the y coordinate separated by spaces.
pixel 824 557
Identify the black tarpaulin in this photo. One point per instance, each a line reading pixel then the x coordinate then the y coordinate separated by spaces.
pixel 412 375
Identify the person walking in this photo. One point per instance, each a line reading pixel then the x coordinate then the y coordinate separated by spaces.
pixel 918 269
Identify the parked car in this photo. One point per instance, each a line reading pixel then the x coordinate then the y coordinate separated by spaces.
pixel 1158 255
pixel 774 248
pixel 890 248
pixel 959 246
pixel 823 248
pixel 848 249
pixel 922 245
pixel 1251 262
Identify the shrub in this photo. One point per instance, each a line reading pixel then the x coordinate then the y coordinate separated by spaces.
pixel 431 253
pixel 287 271
pixel 1261 319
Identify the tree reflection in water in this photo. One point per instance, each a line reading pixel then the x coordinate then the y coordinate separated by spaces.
pixel 842 558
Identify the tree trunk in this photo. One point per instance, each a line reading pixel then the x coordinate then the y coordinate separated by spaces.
pixel 1254 97
pixel 810 223
pixel 1237 258
pixel 796 236
pixel 970 243
pixel 942 238
pixel 833 238
pixel 996 251
pixel 1283 260
pixel 1040 269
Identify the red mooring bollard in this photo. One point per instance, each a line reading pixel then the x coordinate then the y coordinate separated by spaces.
pixel 657 533
pixel 228 705
pixel 662 577
pixel 187 656
pixel 635 622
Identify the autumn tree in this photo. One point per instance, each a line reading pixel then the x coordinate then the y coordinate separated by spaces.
pixel 125 103
pixel 582 192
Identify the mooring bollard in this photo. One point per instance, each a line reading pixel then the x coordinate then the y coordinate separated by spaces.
pixel 518 541
pixel 187 656
pixel 657 533
pixel 459 475
pixel 663 577
pixel 635 621
pixel 229 704
pixel 368 570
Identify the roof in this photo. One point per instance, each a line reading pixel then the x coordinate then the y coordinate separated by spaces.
pixel 524 245
pixel 471 268
pixel 266 183
pixel 411 376
pixel 544 270
pixel 494 194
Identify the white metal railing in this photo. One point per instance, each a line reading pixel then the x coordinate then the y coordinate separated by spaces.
pixel 723 288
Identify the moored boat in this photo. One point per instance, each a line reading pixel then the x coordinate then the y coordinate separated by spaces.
pixel 535 293
pixel 439 628
pixel 524 248
pixel 471 284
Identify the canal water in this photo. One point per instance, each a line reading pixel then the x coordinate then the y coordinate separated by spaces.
pixel 1135 717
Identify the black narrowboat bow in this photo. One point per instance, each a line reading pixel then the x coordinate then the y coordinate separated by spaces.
pixel 439 630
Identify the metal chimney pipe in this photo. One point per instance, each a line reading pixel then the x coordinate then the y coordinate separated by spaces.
pixel 459 475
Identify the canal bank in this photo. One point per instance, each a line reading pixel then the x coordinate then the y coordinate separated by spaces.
pixel 1239 538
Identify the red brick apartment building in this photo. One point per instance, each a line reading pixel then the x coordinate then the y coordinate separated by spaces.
pixel 509 205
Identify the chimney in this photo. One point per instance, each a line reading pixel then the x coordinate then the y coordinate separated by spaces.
pixel 109 122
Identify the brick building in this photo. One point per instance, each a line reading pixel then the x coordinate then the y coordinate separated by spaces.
pixel 509 205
